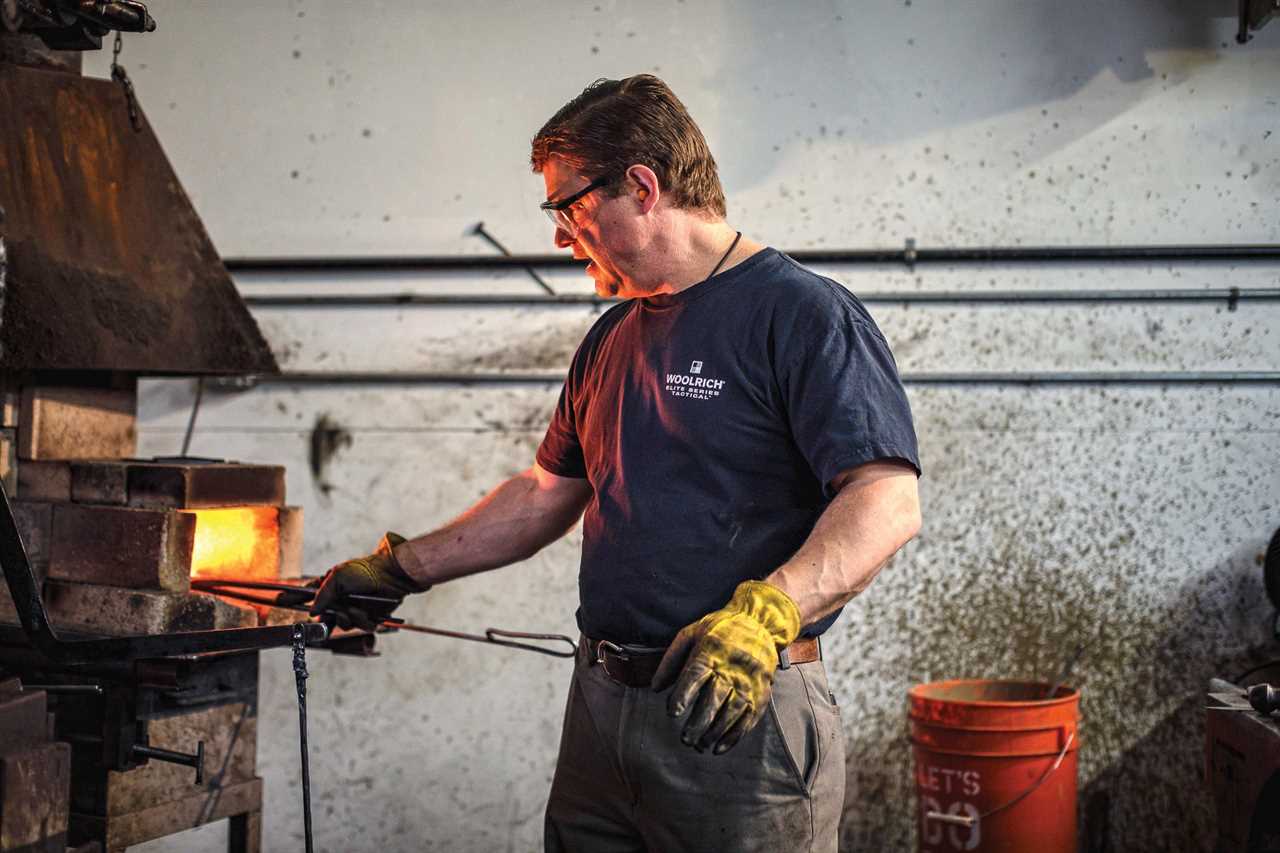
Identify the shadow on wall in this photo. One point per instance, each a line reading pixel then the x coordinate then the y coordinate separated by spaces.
pixel 1152 795
pixel 1148 660
pixel 939 66
pixel 1115 803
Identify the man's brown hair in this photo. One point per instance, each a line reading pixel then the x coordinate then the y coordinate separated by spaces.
pixel 616 124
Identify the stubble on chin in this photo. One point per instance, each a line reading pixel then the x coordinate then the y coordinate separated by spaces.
pixel 608 288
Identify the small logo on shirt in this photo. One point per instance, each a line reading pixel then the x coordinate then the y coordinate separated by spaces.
pixel 693 385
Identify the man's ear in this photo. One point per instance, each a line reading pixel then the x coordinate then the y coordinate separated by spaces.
pixel 646 188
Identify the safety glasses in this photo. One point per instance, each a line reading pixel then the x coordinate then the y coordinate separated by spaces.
pixel 562 214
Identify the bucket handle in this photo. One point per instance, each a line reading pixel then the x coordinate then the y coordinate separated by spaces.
pixel 966 820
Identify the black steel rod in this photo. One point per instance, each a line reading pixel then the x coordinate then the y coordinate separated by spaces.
pixel 191 422
pixel 1229 296
pixel 196 762
pixel 85 689
pixel 1190 377
pixel 1230 377
pixel 482 233
pixel 904 256
pixel 379 300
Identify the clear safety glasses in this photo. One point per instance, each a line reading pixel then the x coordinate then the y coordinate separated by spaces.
pixel 562 214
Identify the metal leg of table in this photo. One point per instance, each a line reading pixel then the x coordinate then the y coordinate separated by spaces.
pixel 244 832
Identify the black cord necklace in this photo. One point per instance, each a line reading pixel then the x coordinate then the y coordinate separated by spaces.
pixel 724 258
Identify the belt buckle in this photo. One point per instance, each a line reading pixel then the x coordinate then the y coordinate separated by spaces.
pixel 603 648
pixel 612 648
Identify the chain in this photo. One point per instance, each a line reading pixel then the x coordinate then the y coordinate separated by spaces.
pixel 122 77
pixel 300 676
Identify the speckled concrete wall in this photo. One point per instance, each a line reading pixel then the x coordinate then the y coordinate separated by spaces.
pixel 1129 519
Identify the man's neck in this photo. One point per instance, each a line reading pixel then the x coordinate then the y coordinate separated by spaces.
pixel 687 255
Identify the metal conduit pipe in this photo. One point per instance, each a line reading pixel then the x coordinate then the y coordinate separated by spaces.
pixel 1233 377
pixel 908 256
pixel 1231 296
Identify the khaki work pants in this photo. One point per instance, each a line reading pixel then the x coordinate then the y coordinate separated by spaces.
pixel 624 782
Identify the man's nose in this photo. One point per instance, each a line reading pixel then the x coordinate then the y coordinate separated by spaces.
pixel 562 239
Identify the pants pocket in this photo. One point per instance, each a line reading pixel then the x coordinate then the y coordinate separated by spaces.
pixel 793 717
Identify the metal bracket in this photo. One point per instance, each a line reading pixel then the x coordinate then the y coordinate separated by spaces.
pixel 196 761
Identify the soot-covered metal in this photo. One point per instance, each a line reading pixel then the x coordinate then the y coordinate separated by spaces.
pixel 109 266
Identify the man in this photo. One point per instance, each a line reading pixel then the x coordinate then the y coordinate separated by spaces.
pixel 738 437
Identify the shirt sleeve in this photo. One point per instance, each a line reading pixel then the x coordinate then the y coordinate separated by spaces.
pixel 845 402
pixel 561 451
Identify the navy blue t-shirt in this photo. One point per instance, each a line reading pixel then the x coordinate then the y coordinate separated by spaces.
pixel 710 424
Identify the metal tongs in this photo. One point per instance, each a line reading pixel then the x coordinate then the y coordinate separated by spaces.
pixel 292 597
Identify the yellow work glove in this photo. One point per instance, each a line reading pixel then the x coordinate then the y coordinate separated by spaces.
pixel 723 665
pixel 378 574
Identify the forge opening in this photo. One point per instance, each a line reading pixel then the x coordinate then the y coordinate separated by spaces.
pixel 237 542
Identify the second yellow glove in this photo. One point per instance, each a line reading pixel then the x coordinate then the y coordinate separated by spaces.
pixel 723 664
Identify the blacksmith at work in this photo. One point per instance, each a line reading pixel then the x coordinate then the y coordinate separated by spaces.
pixel 738 438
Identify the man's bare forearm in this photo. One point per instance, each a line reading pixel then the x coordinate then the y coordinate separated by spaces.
pixel 511 523
pixel 876 512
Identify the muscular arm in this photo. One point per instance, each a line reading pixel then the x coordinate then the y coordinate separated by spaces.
pixel 511 523
pixel 875 512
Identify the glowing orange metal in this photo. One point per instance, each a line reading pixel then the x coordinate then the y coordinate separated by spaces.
pixel 237 542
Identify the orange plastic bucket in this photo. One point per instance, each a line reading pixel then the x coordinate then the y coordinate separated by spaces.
pixel 995 766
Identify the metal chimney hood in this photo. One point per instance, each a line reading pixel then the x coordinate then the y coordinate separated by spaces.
pixel 109 266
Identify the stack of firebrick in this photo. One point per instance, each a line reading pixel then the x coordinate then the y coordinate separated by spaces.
pixel 114 542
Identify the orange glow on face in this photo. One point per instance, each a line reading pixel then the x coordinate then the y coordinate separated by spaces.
pixel 238 542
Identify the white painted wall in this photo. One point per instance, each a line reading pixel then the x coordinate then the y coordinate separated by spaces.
pixel 1129 518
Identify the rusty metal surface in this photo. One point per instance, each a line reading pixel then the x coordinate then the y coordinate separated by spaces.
pixel 109 267
pixel 36 807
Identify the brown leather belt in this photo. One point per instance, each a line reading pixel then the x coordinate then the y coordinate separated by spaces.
pixel 636 669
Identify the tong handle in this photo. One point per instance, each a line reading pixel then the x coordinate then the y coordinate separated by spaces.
pixel 493 635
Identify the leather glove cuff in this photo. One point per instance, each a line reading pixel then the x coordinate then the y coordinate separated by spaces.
pixel 394 571
pixel 771 607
